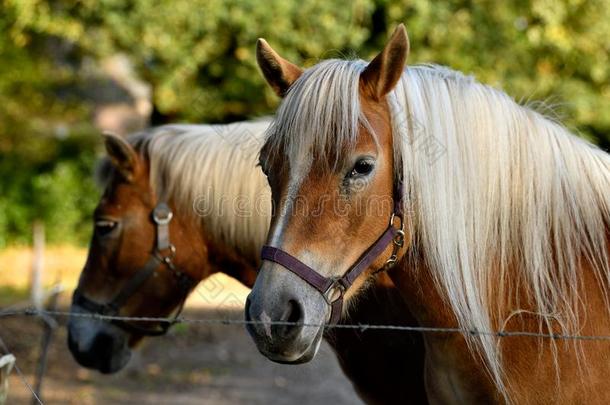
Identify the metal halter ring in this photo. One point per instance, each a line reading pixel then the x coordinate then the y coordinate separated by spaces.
pixel 328 294
pixel 398 241
pixel 391 261
pixel 402 225
pixel 162 221
pixel 172 253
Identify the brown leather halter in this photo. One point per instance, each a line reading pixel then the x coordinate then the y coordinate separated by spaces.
pixel 328 285
pixel 161 216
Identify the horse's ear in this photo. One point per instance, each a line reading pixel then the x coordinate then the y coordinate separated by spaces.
pixel 382 74
pixel 122 155
pixel 278 72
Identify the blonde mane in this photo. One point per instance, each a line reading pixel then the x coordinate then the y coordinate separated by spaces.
pixel 301 127
pixel 491 185
pixel 209 172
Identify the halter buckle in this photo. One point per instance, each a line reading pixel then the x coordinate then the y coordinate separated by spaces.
pixel 337 285
pixel 166 259
pixel 162 215
pixel 399 238
pixel 398 241
pixel 402 224
pixel 391 261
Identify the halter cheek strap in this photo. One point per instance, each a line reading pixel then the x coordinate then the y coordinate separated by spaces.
pixel 161 216
pixel 327 286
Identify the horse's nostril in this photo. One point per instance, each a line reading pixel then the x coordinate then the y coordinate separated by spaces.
pixel 103 345
pixel 295 314
pixel 292 318
pixel 281 321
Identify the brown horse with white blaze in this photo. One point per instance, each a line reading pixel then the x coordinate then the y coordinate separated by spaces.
pixel 500 217
pixel 182 202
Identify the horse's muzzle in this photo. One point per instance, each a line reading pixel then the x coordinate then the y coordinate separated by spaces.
pixel 98 345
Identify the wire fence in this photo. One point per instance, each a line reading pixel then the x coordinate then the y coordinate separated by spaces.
pixel 24 380
pixel 32 312
pixel 46 314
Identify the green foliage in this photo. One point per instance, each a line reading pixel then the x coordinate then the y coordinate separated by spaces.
pixel 57 190
pixel 198 57
pixel 46 144
pixel 200 54
pixel 550 50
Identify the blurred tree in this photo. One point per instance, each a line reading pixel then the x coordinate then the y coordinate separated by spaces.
pixel 557 51
pixel 198 57
pixel 46 145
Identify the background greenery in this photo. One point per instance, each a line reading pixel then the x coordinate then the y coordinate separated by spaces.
pixel 198 57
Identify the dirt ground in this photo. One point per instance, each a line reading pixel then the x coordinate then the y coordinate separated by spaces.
pixel 194 364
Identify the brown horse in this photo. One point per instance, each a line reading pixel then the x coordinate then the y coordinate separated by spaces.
pixel 192 195
pixel 499 214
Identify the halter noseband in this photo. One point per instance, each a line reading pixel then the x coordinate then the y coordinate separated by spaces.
pixel 328 285
pixel 161 216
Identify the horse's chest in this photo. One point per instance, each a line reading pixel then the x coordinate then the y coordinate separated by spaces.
pixel 452 378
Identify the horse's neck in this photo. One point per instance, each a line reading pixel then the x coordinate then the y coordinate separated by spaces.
pixel 415 282
pixel 452 371
pixel 227 259
pixel 445 352
pixel 200 256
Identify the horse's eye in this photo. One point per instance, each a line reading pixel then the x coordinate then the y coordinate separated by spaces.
pixel 104 227
pixel 362 167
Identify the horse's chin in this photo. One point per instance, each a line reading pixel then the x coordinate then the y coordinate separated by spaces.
pixel 97 344
pixel 295 356
pixel 108 363
pixel 115 365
